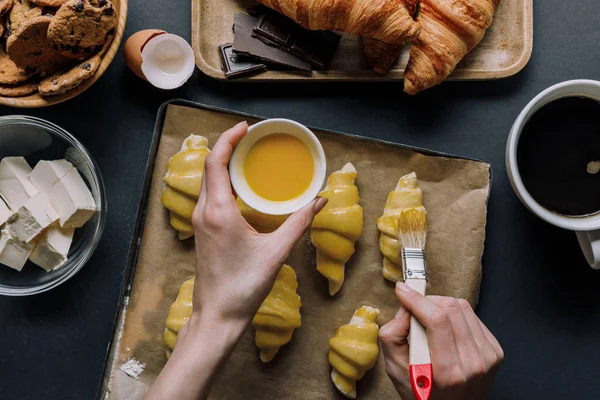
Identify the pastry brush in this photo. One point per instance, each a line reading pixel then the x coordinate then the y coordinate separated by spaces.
pixel 412 234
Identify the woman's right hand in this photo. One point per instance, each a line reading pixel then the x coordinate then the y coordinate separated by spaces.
pixel 465 356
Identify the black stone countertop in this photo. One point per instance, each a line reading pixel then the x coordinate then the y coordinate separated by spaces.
pixel 538 295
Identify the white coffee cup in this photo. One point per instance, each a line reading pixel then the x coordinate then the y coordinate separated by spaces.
pixel 587 227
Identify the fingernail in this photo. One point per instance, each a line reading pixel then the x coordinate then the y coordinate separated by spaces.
pixel 241 123
pixel 403 286
pixel 321 202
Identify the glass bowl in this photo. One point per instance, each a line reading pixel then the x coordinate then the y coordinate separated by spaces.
pixel 37 139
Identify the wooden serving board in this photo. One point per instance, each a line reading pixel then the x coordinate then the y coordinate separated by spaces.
pixel 504 51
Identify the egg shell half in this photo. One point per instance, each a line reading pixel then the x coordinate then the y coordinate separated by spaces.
pixel 134 46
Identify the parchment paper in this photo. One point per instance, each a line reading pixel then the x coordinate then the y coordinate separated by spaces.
pixel 455 194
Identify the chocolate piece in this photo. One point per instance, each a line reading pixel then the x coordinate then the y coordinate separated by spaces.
pixel 246 44
pixel 236 66
pixel 275 27
pixel 315 47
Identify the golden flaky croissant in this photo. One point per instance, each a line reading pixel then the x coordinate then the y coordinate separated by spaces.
pixel 381 55
pixel 263 223
pixel 385 20
pixel 354 349
pixel 338 226
pixel 407 195
pixel 183 179
pixel 279 315
pixel 450 30
pixel 179 313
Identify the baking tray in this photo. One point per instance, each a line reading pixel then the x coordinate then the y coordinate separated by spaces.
pixel 130 268
pixel 504 51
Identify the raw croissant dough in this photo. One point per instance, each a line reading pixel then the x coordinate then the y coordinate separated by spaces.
pixel 179 313
pixel 279 315
pixel 263 223
pixel 354 350
pixel 183 179
pixel 338 226
pixel 407 195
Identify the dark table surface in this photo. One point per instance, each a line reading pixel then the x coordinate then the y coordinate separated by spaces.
pixel 538 294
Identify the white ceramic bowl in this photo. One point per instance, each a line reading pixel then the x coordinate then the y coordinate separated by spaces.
pixel 257 132
pixel 587 228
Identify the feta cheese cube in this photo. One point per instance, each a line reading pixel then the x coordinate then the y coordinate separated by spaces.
pixel 32 218
pixel 15 187
pixel 5 213
pixel 60 182
pixel 13 252
pixel 52 248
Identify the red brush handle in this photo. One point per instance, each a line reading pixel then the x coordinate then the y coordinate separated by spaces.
pixel 421 377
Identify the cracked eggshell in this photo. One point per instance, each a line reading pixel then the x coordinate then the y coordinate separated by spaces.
pixel 134 46
pixel 168 61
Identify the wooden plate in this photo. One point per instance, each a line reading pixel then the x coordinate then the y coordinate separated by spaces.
pixel 505 50
pixel 36 101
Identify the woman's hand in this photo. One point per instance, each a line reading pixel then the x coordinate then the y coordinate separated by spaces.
pixel 464 354
pixel 236 266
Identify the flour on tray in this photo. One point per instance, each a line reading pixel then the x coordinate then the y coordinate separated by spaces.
pixel 133 368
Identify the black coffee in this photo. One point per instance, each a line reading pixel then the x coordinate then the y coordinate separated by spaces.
pixel 556 147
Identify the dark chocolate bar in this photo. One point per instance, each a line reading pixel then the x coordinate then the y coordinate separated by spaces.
pixel 315 47
pixel 246 44
pixel 236 66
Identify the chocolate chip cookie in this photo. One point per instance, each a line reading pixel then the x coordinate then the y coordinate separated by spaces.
pixel 18 91
pixel 22 11
pixel 49 3
pixel 10 74
pixel 30 48
pixel 80 26
pixel 64 81
pixel 5 6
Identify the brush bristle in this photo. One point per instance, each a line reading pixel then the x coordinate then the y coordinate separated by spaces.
pixel 412 229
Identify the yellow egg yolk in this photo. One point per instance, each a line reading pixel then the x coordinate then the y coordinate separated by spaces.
pixel 279 167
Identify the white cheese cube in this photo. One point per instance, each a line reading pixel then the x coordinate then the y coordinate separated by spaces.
pixel 15 187
pixel 65 190
pixel 5 213
pixel 52 248
pixel 32 218
pixel 13 252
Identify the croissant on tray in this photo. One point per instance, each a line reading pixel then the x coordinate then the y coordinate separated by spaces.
pixel 263 223
pixel 385 20
pixel 179 313
pixel 381 55
pixel 279 315
pixel 354 349
pixel 407 195
pixel 338 226
pixel 183 180
pixel 450 30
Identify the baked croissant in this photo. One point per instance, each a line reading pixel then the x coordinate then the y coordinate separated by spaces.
pixel 354 349
pixel 263 223
pixel 179 313
pixel 385 20
pixel 450 30
pixel 338 226
pixel 278 315
pixel 183 179
pixel 381 55
pixel 407 195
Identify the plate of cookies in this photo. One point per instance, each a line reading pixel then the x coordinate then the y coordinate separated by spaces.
pixel 53 50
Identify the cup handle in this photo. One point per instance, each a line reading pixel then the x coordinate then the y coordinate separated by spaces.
pixel 590 244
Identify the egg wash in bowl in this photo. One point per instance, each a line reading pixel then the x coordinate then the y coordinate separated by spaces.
pixel 278 167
